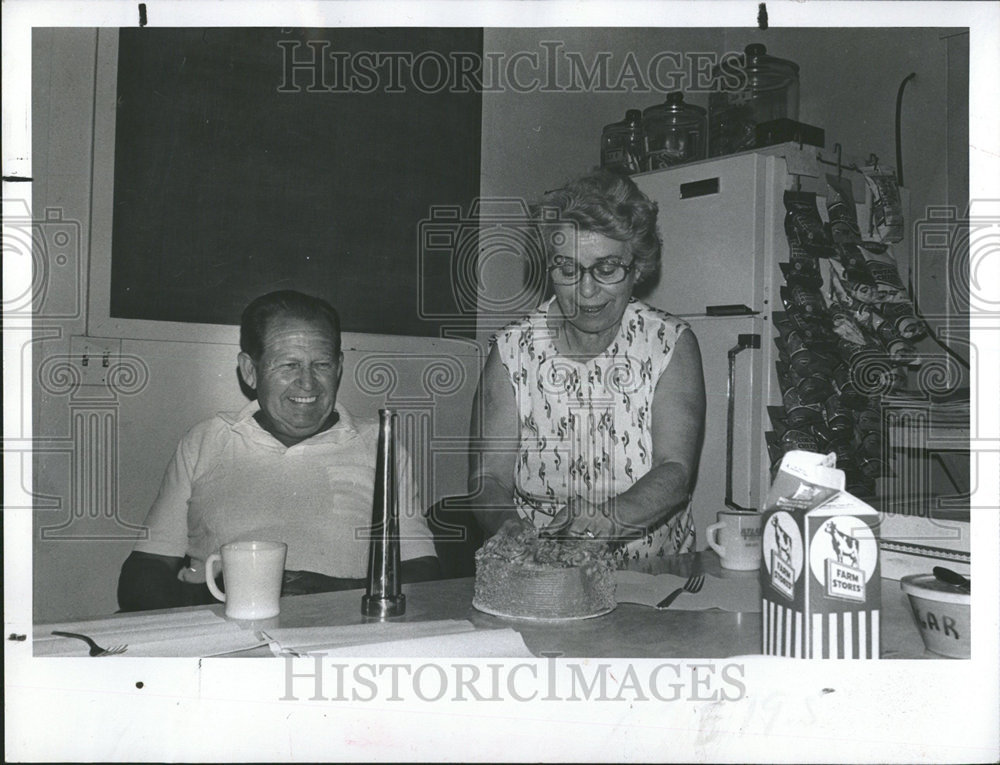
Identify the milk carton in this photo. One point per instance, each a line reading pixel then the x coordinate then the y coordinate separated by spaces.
pixel 819 576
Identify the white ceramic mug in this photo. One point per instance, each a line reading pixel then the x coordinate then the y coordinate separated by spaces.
pixel 253 572
pixel 736 538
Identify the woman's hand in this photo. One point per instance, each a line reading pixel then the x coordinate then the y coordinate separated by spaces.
pixel 580 518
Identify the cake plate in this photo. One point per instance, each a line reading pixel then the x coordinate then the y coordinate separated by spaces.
pixel 542 619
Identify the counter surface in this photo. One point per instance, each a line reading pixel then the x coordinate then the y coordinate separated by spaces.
pixel 628 631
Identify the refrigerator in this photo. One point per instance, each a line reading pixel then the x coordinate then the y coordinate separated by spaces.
pixel 722 224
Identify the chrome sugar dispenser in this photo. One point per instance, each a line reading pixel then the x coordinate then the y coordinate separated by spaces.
pixel 383 596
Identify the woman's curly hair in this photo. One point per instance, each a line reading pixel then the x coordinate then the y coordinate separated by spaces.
pixel 606 203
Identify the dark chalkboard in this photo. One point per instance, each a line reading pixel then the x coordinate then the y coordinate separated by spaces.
pixel 237 173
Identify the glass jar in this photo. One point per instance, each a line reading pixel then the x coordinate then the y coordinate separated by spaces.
pixel 770 91
pixel 676 132
pixel 623 144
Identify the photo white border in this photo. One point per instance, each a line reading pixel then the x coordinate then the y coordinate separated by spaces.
pixel 229 710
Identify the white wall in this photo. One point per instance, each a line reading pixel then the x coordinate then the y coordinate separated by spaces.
pixel 531 142
pixel 71 577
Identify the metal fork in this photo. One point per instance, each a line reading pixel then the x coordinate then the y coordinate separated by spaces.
pixel 95 650
pixel 692 585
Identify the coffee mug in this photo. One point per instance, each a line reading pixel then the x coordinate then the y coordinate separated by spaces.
pixel 253 573
pixel 736 538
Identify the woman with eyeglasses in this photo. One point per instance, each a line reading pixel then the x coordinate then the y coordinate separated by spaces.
pixel 589 414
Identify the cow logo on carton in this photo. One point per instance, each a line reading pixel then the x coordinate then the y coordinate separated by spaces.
pixel 782 548
pixel 843 555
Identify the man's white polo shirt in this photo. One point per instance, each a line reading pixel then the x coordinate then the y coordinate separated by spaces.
pixel 232 480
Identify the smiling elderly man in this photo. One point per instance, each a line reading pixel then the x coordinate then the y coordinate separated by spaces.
pixel 292 466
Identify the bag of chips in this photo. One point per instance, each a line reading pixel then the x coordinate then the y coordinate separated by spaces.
pixel 841 210
pixel 886 223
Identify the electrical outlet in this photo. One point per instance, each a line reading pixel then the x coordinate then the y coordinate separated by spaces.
pixel 93 357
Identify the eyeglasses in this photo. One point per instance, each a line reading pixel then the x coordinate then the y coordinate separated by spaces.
pixel 566 271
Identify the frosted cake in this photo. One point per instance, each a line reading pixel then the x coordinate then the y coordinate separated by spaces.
pixel 522 575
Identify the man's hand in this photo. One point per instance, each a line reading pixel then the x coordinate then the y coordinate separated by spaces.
pixel 149 581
